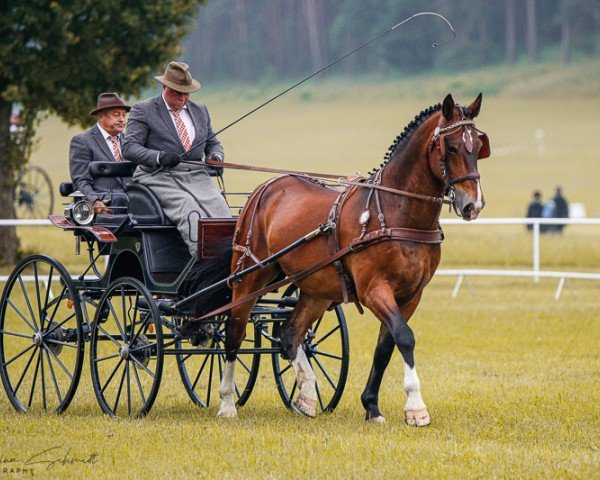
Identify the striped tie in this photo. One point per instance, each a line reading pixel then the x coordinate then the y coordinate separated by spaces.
pixel 116 152
pixel 181 130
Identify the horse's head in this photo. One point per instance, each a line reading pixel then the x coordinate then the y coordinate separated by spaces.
pixel 456 145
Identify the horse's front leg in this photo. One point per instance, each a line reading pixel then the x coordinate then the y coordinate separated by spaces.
pixel 394 332
pixel 234 336
pixel 307 310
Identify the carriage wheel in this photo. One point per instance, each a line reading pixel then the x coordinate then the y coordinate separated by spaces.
pixel 126 351
pixel 327 349
pixel 33 194
pixel 41 336
pixel 201 372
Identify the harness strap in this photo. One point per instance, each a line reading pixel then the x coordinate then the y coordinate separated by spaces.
pixel 398 233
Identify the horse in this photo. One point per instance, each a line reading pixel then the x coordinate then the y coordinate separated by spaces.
pixel 392 221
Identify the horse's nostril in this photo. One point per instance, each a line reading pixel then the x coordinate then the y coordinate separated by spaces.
pixel 467 210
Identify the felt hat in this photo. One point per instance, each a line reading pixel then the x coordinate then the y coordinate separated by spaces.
pixel 178 77
pixel 109 100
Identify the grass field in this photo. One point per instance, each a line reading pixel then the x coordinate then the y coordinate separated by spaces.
pixel 510 376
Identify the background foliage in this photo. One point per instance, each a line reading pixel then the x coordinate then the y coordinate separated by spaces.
pixel 56 57
pixel 250 40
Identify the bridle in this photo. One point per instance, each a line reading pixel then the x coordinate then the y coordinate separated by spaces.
pixel 438 142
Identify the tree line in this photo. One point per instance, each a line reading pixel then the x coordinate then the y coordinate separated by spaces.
pixel 254 40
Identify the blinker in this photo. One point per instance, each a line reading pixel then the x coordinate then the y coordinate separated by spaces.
pixel 485 151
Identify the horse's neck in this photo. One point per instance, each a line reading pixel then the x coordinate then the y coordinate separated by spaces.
pixel 409 170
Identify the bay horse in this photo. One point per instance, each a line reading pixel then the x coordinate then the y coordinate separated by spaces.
pixel 393 217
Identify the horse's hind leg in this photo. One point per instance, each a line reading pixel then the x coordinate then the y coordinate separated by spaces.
pixel 394 332
pixel 308 309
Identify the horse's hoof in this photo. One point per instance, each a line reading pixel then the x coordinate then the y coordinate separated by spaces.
pixel 307 406
pixel 227 413
pixel 379 420
pixel 418 418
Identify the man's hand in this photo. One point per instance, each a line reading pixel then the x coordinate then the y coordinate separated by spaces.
pixel 168 159
pixel 215 157
pixel 100 206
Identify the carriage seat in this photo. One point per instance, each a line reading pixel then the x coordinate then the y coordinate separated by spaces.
pixel 142 203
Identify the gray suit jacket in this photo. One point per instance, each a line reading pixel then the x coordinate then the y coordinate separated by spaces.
pixel 150 131
pixel 85 148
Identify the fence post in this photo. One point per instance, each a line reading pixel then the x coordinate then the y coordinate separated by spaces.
pixel 536 251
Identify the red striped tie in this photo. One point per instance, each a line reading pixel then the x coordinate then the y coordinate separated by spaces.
pixel 181 130
pixel 116 152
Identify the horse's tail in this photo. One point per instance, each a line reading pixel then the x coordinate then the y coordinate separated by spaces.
pixel 206 272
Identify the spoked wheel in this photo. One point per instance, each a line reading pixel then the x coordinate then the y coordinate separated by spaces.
pixel 327 349
pixel 33 194
pixel 41 336
pixel 126 351
pixel 201 368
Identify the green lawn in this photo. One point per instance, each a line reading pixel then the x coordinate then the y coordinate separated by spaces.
pixel 510 378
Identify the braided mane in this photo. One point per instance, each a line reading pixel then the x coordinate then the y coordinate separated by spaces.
pixel 403 138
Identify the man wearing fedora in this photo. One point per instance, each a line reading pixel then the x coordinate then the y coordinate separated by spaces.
pixel 161 132
pixel 101 143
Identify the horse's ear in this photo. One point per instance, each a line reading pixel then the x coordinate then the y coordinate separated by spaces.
pixel 476 105
pixel 448 107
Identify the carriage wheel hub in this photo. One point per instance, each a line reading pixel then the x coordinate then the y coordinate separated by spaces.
pixel 124 352
pixel 38 339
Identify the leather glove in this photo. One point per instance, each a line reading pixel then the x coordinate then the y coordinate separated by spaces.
pixel 213 170
pixel 168 159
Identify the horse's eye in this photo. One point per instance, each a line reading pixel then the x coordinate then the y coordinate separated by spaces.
pixel 452 149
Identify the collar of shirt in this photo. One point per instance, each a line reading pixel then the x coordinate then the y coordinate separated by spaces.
pixel 105 134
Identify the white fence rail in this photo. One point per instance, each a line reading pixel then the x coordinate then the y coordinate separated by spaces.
pixel 462 274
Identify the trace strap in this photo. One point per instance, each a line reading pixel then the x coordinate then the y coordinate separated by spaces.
pixel 397 233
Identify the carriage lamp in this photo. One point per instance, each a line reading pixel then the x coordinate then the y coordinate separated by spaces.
pixel 83 212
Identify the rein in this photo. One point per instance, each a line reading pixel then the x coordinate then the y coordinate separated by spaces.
pixel 428 198
pixel 252 168
pixel 341 180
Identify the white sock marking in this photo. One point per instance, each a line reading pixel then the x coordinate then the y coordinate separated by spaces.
pixel 412 387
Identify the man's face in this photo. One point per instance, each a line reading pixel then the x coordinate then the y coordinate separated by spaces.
pixel 175 100
pixel 113 120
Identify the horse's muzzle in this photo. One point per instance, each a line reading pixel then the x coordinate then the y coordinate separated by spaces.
pixel 467 207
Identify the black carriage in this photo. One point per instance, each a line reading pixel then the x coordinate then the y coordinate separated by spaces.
pixel 125 311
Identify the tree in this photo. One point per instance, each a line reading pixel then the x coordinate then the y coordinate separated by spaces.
pixel 57 57
pixel 511 33
pixel 531 30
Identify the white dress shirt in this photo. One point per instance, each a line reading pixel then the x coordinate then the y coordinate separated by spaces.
pixel 186 118
pixel 107 137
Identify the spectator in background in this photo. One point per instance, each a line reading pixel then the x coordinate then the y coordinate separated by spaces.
pixel 535 208
pixel 561 209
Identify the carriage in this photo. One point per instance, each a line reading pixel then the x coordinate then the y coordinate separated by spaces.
pixel 377 244
pixel 127 309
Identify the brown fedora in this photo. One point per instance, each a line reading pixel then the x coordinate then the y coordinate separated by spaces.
pixel 178 77
pixel 109 100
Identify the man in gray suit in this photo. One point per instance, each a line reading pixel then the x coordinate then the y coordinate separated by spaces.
pixel 101 143
pixel 160 133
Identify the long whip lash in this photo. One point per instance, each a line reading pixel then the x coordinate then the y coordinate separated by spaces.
pixel 420 14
